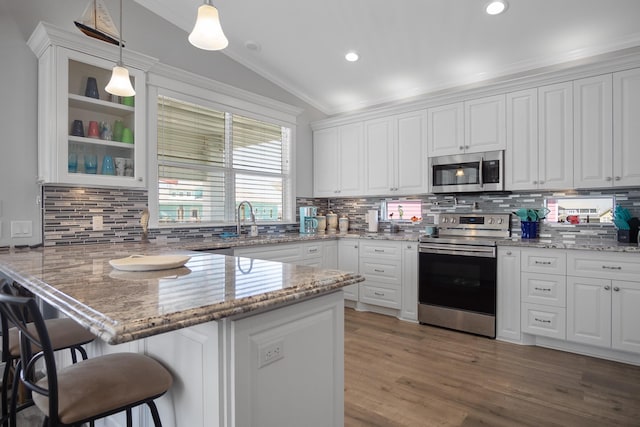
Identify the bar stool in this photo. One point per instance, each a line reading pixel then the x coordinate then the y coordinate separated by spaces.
pixel 85 391
pixel 64 333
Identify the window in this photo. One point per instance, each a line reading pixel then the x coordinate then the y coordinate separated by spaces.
pixel 209 161
pixel 580 210
pixel 403 210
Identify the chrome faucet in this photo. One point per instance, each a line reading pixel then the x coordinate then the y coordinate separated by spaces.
pixel 254 227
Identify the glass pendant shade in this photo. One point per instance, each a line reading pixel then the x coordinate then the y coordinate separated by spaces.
pixel 207 32
pixel 120 84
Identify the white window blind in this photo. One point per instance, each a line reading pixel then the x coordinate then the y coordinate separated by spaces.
pixel 209 161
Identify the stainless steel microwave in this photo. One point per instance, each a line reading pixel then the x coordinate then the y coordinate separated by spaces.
pixel 467 172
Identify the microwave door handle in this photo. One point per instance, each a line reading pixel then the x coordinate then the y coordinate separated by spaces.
pixel 480 171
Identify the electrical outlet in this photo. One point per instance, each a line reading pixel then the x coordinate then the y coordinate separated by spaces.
pixel 98 224
pixel 270 353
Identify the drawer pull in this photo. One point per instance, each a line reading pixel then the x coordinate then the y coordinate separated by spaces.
pixel 541 320
pixel 612 267
pixel 543 262
pixel 379 294
pixel 616 289
pixel 377 270
pixel 543 289
pixel 379 250
pixel 313 250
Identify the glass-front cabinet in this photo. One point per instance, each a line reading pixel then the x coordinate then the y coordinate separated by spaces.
pixel 86 136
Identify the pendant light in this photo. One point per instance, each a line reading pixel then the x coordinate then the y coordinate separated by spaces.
pixel 207 32
pixel 120 83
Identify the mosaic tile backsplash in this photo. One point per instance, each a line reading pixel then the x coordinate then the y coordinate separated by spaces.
pixel 69 212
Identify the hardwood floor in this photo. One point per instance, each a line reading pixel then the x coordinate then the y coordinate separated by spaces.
pixel 403 374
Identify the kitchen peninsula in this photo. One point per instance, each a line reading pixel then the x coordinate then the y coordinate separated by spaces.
pixel 249 342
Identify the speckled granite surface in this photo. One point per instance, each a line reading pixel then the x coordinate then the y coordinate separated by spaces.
pixel 122 306
pixel 603 246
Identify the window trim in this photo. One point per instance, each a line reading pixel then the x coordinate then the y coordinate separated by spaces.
pixel 186 92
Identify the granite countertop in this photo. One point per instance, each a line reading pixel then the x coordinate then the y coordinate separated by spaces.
pixel 120 306
pixel 601 245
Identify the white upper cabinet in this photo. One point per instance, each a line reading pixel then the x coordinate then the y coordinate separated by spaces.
pixel 337 154
pixel 472 126
pixel 445 127
pixel 593 132
pixel 521 155
pixel 555 136
pixel 485 124
pixel 90 154
pixel 626 127
pixel 395 155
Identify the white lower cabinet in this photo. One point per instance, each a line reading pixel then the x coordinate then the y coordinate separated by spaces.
pixel 508 295
pixel 348 250
pixel 589 311
pixel 319 253
pixel 587 301
pixel 409 281
pixel 381 265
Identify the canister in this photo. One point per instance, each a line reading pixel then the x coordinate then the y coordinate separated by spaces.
pixel 332 222
pixel 322 223
pixel 343 224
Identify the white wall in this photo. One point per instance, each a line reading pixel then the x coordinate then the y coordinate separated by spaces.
pixel 144 32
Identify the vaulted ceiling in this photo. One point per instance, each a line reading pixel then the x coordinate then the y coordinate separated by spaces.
pixel 407 48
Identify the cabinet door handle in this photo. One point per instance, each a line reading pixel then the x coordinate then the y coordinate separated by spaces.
pixel 612 267
pixel 608 178
pixel 616 289
pixel 379 294
pixel 140 179
pixel 377 270
pixel 618 178
pixel 355 246
pixel 541 320
pixel 606 288
pixel 535 182
pixel 461 147
pixel 508 252
pixel 409 246
pixel 544 289
pixel 379 250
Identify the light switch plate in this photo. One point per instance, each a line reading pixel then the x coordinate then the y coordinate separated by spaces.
pixel 98 223
pixel 21 229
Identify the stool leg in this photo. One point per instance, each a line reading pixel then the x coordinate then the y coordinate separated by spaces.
pixel 5 397
pixel 154 414
pixel 129 418
pixel 14 394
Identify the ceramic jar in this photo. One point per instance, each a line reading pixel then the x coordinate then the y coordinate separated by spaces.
pixel 332 222
pixel 343 224
pixel 322 223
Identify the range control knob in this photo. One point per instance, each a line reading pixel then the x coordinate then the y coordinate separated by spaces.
pixel 453 220
pixel 500 220
pixel 491 221
pixel 445 220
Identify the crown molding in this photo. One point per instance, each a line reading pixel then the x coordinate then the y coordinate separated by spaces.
pixel 586 67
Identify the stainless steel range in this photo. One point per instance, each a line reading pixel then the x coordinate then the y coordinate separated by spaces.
pixel 457 272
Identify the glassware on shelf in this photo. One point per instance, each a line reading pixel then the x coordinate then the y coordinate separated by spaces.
pixel 127 136
pixel 105 131
pixel 93 131
pixel 73 163
pixel 92 88
pixel 118 128
pixel 77 128
pixel 107 166
pixel 120 166
pixel 90 163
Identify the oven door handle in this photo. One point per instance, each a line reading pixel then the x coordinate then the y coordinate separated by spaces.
pixel 445 249
pixel 480 171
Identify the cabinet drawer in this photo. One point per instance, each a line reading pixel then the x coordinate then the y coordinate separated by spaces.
pixel 546 289
pixel 387 272
pixel 380 296
pixel 281 253
pixel 381 250
pixel 351 292
pixel 313 250
pixel 547 261
pixel 617 266
pixel 544 320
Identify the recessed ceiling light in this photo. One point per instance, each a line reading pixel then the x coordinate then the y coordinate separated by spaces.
pixel 496 7
pixel 251 45
pixel 351 56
